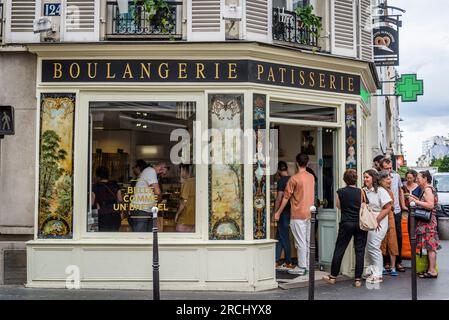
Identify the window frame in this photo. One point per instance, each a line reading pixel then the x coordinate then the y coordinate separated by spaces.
pixel 83 165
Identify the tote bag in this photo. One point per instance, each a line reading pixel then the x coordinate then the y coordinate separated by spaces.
pixel 367 221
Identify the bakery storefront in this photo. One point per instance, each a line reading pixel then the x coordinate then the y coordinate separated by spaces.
pixel 103 107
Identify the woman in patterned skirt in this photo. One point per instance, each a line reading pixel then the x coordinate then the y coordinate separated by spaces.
pixel 426 232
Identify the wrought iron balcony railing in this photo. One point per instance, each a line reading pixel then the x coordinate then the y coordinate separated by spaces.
pixel 289 29
pixel 136 25
pixel 1 22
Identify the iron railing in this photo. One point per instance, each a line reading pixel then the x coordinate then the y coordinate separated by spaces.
pixel 1 22
pixel 289 29
pixel 136 25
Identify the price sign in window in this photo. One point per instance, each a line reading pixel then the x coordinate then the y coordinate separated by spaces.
pixel 52 9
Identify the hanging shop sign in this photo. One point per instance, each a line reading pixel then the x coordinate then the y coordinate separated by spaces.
pixel 6 120
pixel 386 46
pixel 202 71
pixel 409 87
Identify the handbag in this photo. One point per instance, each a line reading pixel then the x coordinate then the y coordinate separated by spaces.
pixel 368 220
pixel 422 214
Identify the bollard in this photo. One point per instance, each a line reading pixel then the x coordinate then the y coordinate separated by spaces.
pixel 156 293
pixel 412 232
pixel 312 253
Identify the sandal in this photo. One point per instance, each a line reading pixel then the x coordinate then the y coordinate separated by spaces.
pixel 330 279
pixel 358 283
pixel 400 268
pixel 427 275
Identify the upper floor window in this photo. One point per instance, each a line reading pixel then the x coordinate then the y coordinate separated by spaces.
pixel 290 4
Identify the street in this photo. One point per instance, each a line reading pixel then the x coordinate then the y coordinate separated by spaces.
pixel 391 289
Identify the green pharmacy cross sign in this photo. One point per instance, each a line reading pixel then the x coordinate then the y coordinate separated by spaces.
pixel 408 87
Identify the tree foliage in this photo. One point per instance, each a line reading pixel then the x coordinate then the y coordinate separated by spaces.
pixel 442 164
pixel 49 168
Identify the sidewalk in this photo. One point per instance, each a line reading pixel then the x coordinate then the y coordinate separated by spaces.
pixel 392 289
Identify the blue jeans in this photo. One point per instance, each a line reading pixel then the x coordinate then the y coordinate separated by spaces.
pixel 282 235
pixel 141 224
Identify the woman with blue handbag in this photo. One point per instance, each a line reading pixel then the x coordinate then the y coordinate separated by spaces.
pixel 426 225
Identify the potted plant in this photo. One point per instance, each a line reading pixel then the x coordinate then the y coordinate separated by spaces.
pixel 309 20
pixel 158 13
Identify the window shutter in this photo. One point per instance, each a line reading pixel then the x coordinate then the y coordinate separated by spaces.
pixel 206 23
pixel 344 27
pixel 81 20
pixel 257 19
pixel 21 15
pixel 366 32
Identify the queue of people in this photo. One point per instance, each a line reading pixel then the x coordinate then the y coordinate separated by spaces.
pixel 378 250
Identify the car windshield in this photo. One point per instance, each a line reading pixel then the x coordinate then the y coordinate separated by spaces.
pixel 441 183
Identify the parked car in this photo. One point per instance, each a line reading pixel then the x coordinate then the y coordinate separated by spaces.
pixel 441 184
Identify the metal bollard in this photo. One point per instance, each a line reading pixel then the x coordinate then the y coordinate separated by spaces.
pixel 413 249
pixel 312 248
pixel 156 291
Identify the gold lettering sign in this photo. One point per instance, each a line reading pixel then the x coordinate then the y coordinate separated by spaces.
pixel 182 70
pixel 217 65
pixel 200 71
pixel 232 74
pixel 108 71
pixel 302 80
pixel 259 71
pixel 196 70
pixel 127 73
pixel 322 84
pixel 165 66
pixel 89 70
pixel 145 68
pixel 282 70
pixel 351 84
pixel 332 82
pixel 312 79
pixel 271 74
pixel 57 73
pixel 78 70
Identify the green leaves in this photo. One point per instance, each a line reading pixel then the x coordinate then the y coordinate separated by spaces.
pixel 441 164
pixel 311 21
pixel 158 13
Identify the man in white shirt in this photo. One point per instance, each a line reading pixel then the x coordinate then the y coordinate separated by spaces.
pixel 146 196
pixel 399 206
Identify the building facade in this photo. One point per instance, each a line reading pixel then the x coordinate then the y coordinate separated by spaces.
pixel 111 85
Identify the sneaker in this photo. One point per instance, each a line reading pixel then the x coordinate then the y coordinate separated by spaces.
pixel 297 270
pixel 394 273
pixel 385 272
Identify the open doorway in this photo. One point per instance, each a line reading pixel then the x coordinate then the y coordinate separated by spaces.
pixel 319 143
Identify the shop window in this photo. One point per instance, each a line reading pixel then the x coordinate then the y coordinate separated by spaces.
pixel 134 166
pixel 298 111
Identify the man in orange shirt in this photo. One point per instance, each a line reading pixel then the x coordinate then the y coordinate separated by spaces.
pixel 300 191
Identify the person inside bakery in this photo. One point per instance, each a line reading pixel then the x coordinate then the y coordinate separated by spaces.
pixel 105 194
pixel 147 193
pixel 185 215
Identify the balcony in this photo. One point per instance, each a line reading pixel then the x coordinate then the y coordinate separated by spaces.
pixel 289 30
pixel 135 24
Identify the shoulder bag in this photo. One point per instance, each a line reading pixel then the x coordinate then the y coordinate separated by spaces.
pixel 368 220
pixel 422 214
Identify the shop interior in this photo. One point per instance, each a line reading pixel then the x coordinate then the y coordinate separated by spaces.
pixel 123 132
pixel 293 139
